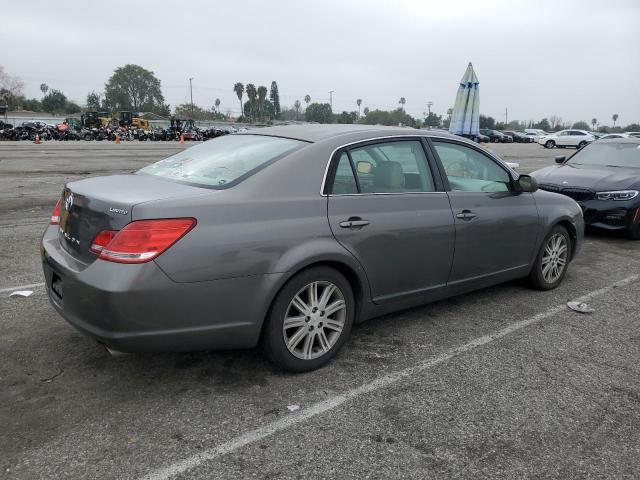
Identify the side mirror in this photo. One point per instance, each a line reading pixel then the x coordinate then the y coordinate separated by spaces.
pixel 527 183
pixel 560 159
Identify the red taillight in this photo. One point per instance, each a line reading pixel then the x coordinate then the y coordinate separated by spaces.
pixel 102 240
pixel 143 240
pixel 55 215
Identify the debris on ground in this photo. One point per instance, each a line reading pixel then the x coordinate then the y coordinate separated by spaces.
pixel 580 307
pixel 293 408
pixel 21 293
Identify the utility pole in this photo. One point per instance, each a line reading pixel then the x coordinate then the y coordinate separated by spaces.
pixel 331 99
pixel 191 94
pixel 429 105
pixel 506 116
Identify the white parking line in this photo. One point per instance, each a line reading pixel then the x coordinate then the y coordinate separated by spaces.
pixel 378 383
pixel 21 287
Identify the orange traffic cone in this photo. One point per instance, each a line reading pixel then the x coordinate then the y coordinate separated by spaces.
pixel 182 138
pixel 37 140
pixel 117 139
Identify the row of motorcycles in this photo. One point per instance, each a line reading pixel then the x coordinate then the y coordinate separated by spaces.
pixel 65 132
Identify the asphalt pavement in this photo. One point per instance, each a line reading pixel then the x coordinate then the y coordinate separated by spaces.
pixel 501 383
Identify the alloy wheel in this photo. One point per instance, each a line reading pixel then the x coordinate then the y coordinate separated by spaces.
pixel 554 258
pixel 314 320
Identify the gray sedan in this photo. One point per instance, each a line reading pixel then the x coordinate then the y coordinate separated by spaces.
pixel 283 237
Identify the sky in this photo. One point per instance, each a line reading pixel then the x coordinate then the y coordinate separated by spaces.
pixel 573 59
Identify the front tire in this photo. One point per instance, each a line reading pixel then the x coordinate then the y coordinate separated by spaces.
pixel 549 144
pixel 309 321
pixel 552 260
pixel 582 145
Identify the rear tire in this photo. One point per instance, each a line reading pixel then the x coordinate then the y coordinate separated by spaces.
pixel 299 333
pixel 552 260
pixel 549 144
pixel 582 145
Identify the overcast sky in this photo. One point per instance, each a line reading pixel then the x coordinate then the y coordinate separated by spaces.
pixel 573 59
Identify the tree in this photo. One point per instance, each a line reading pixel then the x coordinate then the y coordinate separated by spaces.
pixel 319 112
pixel 252 94
pixel 543 125
pixel 10 89
pixel 402 102
pixel 347 117
pixel 274 96
pixel 359 102
pixel 486 122
pixel 134 88
pixel 395 117
pixel 93 101
pixel 266 107
pixel 366 111
pixel 239 89
pixel 615 119
pixel 54 101
pixel 296 107
pixel 580 125
pixel 554 121
pixel 634 127
pixel 216 105
pixel 594 122
pixel 307 99
pixel 44 88
pixel 433 120
pixel 262 95
pixel 198 113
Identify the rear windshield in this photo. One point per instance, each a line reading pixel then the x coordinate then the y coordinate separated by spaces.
pixel 609 154
pixel 223 161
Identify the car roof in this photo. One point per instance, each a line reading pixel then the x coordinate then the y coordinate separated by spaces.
pixel 350 132
pixel 635 140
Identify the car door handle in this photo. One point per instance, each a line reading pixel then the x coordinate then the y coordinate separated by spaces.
pixel 466 215
pixel 354 222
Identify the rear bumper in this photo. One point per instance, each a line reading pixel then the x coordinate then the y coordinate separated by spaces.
pixel 137 308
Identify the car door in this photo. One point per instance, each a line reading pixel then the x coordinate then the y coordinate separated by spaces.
pixel 496 226
pixel 389 210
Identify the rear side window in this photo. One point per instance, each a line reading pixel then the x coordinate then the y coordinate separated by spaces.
pixel 344 182
pixel 392 167
pixel 223 161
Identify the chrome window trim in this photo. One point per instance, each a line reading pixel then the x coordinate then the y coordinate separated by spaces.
pixel 500 162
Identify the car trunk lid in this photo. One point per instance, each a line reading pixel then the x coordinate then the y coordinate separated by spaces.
pixel 105 203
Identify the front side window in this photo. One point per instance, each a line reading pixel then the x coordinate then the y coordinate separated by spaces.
pixel 471 171
pixel 392 167
pixel 223 161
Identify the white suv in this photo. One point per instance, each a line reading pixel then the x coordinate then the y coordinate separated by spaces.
pixel 567 138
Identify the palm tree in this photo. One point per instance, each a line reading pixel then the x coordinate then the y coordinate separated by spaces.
pixel 402 102
pixel 615 119
pixel 44 88
pixel 307 99
pixel 296 107
pixel 239 89
pixel 593 122
pixel 217 104
pixel 359 102
pixel 262 95
pixel 251 93
pixel 366 111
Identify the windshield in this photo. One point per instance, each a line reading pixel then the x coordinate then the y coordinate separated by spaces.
pixel 609 154
pixel 223 161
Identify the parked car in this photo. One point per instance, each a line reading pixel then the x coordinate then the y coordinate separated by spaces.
pixel 604 178
pixel 614 135
pixel 483 138
pixel 567 138
pixel 286 236
pixel 535 133
pixel 494 135
pixel 634 134
pixel 517 136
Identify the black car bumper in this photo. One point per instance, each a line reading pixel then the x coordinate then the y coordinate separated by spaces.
pixel 611 215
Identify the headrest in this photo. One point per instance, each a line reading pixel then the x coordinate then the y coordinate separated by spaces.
pixel 389 175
